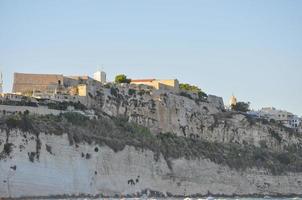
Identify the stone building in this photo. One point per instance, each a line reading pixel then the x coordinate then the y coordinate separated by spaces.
pixel 82 84
pixel 233 101
pixel 27 83
pixel 43 85
pixel 167 84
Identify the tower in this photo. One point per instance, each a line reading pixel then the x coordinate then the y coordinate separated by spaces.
pixel 233 101
pixel 1 83
pixel 100 76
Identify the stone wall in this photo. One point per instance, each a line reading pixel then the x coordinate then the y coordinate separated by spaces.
pixel 29 82
pixel 164 84
pixel 217 101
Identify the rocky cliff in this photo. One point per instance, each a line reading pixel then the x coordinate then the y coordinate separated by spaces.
pixel 156 142
pixel 186 116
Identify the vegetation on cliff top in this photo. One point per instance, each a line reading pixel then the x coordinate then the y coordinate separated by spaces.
pixel 117 133
pixel 122 78
pixel 241 106
pixel 193 89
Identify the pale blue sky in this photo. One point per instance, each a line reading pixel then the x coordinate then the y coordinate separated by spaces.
pixel 250 48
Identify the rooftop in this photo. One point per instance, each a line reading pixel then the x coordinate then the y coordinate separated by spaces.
pixel 143 80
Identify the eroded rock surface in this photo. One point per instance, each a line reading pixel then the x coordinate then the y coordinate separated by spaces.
pixel 68 170
pixel 196 148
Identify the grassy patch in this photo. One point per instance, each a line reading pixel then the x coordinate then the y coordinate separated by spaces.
pixel 20 121
pixel 131 92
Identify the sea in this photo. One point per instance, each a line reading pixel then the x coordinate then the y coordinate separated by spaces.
pixel 268 198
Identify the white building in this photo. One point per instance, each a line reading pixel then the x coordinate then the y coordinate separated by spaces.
pixel 286 118
pixel 100 76
pixel 273 113
pixel 295 121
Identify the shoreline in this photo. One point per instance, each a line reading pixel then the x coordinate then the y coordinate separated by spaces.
pixel 81 196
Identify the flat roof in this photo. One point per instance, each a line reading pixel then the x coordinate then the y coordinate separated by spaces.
pixel 143 80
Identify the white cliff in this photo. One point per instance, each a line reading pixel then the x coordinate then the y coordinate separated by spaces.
pixel 202 149
pixel 66 169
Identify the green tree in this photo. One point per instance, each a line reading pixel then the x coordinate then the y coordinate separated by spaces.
pixel 194 89
pixel 202 95
pixel 122 78
pixel 241 107
pixel 188 87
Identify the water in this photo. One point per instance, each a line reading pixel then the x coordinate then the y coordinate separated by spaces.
pixel 180 199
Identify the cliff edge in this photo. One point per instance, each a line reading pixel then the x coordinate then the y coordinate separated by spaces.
pixel 155 143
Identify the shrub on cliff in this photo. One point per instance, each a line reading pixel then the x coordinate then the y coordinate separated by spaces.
pixel 122 78
pixel 131 92
pixel 12 122
pixel 114 91
pixel 64 105
pixel 21 121
pixel 185 94
pixel 241 107
pixel 7 149
pixel 275 135
pixel 75 118
pixel 194 89
pixel 18 103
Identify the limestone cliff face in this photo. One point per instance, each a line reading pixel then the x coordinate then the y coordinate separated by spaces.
pixel 49 165
pixel 54 156
pixel 162 111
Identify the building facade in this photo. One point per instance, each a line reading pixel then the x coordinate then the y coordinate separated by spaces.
pixel 82 90
pixel 233 101
pixel 294 122
pixel 28 83
pixel 45 85
pixel 288 119
pixel 166 84
pixel 100 76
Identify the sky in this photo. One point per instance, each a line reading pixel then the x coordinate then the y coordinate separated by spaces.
pixel 249 48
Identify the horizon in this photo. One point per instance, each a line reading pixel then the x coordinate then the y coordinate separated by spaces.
pixel 252 49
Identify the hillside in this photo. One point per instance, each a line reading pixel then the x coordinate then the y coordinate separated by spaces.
pixel 159 143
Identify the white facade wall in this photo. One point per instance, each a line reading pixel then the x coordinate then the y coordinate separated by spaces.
pixel 100 76
pixel 295 121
